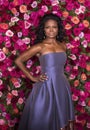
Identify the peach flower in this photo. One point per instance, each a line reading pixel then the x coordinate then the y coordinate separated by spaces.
pixel 76 83
pixel 81 1
pixel 88 103
pixel 9 95
pixel 68 26
pixel 13 80
pixel 5 50
pixel 65 14
pixel 20 100
pixel 16 2
pixel 4 25
pixel 23 8
pixel 88 67
pixel 86 23
pixel 75 20
pixel 15 110
pixel 83 122
pixel 82 110
pixel 14 11
pixel 83 76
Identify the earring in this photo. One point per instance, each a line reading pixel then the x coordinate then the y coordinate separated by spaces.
pixel 44 37
pixel 57 36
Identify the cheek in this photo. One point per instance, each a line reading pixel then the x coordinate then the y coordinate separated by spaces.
pixel 46 31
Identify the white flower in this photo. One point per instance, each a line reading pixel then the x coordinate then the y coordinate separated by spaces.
pixel 81 35
pixel 75 67
pixel 82 9
pixel 69 45
pixel 73 57
pixel 82 103
pixel 54 2
pixel 77 11
pixel 19 34
pixel 76 38
pixel 84 43
pixel 11 24
pixel 26 40
pixel 72 76
pixel 14 19
pixel 34 4
pixel 26 16
pixel 27 24
pixel 9 33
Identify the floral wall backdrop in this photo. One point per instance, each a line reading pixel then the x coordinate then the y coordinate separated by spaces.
pixel 18 21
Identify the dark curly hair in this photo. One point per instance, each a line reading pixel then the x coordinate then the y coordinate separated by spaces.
pixel 40 30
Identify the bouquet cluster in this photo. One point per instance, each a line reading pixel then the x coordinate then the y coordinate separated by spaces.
pixel 18 21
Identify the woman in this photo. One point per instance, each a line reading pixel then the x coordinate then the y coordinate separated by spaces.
pixel 49 106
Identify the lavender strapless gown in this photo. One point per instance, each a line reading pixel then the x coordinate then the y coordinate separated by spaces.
pixel 49 106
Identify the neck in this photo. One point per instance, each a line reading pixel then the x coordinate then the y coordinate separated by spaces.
pixel 51 40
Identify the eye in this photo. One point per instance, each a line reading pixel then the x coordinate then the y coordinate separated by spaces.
pixel 47 27
pixel 55 27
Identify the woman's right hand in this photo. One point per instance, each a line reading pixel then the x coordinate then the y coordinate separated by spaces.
pixel 40 78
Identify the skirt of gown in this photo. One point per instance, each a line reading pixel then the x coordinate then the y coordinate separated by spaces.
pixel 49 105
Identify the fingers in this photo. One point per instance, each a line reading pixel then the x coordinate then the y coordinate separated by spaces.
pixel 43 77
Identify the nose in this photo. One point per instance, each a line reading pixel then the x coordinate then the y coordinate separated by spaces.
pixel 51 29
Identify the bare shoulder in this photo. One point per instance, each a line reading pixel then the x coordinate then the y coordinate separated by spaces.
pixel 34 49
pixel 37 48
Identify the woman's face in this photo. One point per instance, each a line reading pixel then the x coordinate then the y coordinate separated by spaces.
pixel 51 29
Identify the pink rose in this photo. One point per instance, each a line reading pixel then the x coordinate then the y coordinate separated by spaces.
pixel 44 8
pixel 20 42
pixel 8 116
pixel 70 6
pixel 2 56
pixel 87 36
pixel 76 31
pixel 47 2
pixel 2 121
pixel 20 100
pixel 25 32
pixel 87 86
pixel 8 44
pixel 67 68
pixel 1 39
pixel 74 97
pixel 17 85
pixel 15 92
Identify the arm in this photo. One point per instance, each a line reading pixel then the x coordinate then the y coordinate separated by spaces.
pixel 24 57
